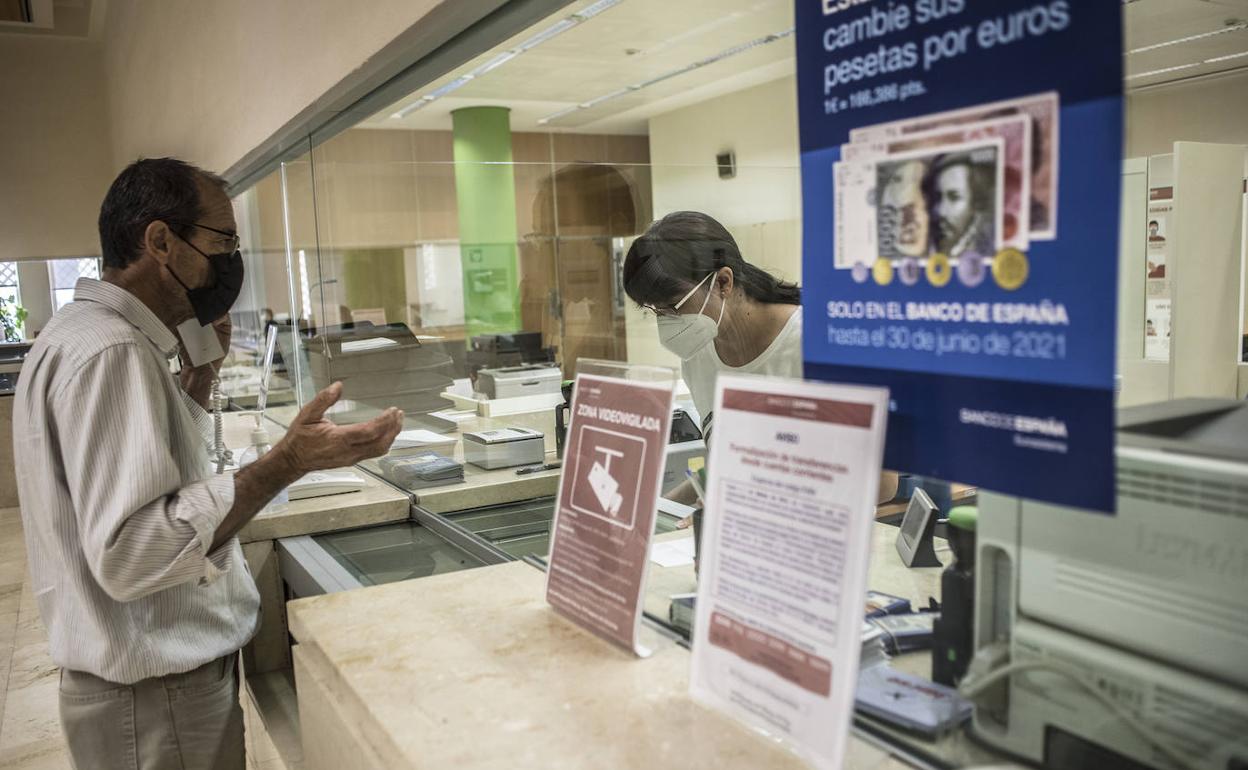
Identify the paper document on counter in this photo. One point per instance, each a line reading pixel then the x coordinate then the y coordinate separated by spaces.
pixel 373 343
pixel 673 508
pixel 790 504
pixel 672 553
pixel 421 439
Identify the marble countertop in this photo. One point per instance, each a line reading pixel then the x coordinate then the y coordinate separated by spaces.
pixel 376 503
pixel 473 670
pixel 482 487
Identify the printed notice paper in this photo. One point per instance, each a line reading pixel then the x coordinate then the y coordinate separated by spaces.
pixel 1157 284
pixel 790 504
pixel 960 185
pixel 608 493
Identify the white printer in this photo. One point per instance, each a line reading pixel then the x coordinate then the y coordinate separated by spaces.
pixel 522 380
pixel 1122 640
pixel 504 447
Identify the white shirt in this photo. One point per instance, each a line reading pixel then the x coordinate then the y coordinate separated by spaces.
pixel 782 358
pixel 119 505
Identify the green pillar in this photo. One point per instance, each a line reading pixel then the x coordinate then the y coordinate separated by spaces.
pixel 485 188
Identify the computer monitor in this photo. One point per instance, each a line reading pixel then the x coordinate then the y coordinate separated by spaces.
pixel 914 539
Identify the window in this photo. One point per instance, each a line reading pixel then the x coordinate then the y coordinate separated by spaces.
pixel 64 273
pixel 8 283
pixel 10 297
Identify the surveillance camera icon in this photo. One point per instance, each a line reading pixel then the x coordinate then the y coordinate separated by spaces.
pixel 605 486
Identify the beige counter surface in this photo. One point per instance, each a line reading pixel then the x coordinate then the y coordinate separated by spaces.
pixel 482 487
pixel 376 503
pixel 473 670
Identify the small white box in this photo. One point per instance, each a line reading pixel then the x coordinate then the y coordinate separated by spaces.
pixel 523 380
pixel 504 447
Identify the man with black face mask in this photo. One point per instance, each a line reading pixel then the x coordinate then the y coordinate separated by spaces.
pixel 134 562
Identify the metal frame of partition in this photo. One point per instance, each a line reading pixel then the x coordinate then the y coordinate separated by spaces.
pixel 459 537
pixel 309 570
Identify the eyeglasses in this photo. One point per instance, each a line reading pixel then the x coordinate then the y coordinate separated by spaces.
pixel 235 241
pixel 675 309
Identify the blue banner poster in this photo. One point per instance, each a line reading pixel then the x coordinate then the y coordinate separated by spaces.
pixel 961 165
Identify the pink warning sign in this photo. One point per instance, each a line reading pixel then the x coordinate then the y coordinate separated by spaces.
pixel 608 493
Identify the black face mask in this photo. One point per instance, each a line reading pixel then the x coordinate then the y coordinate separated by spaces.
pixel 212 302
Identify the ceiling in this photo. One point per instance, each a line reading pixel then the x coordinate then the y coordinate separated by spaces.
pixel 636 40
pixel 1167 24
pixel 625 45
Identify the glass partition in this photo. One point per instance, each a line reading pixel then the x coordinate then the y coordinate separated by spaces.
pixel 276 228
pixel 405 312
pixel 459 252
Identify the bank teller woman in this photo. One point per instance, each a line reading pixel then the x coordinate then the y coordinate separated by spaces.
pixel 716 312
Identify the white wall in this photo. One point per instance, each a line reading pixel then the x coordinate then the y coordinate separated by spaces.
pixel 1213 110
pixel 435 283
pixel 55 162
pixel 1205 278
pixel 760 125
pixel 207 82
pixel 761 206
pixel 210 81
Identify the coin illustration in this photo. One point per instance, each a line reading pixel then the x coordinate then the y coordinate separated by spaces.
pixel 1009 269
pixel 939 271
pixel 882 272
pixel 909 271
pixel 971 269
pixel 860 272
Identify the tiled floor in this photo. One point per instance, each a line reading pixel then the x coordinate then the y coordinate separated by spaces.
pixel 30 733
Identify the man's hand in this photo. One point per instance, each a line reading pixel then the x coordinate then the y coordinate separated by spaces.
pixel 313 443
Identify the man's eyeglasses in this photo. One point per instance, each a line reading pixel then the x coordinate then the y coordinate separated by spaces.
pixel 235 241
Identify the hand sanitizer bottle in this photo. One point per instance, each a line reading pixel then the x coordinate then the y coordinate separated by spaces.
pixel 259 447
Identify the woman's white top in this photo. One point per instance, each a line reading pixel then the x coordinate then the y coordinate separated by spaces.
pixel 782 358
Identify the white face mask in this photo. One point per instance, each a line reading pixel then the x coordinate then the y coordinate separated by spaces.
pixel 686 335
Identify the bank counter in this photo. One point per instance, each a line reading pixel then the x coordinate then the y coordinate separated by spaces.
pixel 473 670
pixel 448 656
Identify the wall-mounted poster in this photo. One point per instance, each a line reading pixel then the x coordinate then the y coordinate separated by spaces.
pixel 960 186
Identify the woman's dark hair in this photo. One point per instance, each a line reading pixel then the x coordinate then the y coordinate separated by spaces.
pixel 681 249
pixel 147 190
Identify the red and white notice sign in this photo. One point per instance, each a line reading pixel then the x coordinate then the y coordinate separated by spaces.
pixel 608 497
pixel 794 472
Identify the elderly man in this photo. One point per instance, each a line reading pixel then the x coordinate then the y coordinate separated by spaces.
pixel 134 562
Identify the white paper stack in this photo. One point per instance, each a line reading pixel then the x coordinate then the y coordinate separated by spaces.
pixel 873 652
pixel 421 440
